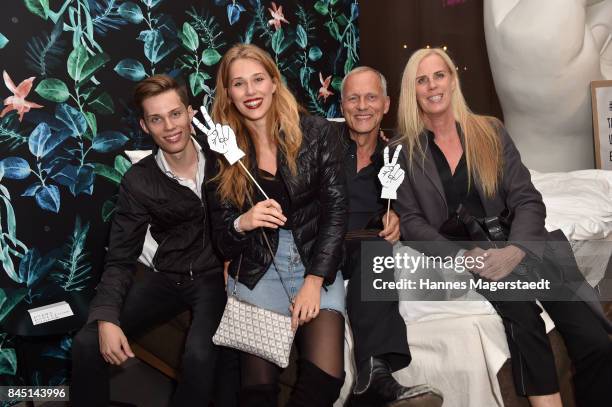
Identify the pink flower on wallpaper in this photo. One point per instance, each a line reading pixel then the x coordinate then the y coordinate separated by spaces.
pixel 324 92
pixel 277 16
pixel 17 101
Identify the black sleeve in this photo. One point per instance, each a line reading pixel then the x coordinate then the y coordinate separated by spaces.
pixel 128 231
pixel 333 196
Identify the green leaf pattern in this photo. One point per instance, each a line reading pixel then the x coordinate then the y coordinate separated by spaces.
pixel 3 41
pixel 53 89
pixel 73 63
pixel 131 12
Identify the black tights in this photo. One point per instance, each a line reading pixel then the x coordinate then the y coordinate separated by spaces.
pixel 320 342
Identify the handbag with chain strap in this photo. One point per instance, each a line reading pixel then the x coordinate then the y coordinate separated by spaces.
pixel 255 330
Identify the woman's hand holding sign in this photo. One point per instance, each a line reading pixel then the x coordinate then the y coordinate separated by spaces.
pixel 266 213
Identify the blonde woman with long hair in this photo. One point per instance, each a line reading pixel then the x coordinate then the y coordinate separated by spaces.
pixel 296 159
pixel 456 158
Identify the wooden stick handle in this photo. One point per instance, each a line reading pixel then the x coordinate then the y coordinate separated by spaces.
pixel 388 209
pixel 253 179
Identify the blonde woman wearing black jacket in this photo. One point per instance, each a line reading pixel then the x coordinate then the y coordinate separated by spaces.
pixel 297 160
pixel 454 157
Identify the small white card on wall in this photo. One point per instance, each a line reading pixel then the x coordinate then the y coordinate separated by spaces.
pixel 50 312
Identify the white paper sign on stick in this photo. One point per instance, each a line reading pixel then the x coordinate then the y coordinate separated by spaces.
pixel 391 174
pixel 221 138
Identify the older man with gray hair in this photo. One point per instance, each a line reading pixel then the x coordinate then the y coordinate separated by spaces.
pixel 379 332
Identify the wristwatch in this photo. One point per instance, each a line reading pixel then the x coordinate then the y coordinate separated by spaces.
pixel 237 225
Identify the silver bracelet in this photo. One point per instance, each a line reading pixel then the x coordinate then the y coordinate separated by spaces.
pixel 237 225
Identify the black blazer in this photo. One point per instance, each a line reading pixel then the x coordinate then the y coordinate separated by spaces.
pixel 422 208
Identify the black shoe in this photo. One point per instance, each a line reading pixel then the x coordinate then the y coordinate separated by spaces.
pixel 375 386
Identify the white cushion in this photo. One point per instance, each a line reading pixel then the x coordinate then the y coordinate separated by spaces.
pixel 578 202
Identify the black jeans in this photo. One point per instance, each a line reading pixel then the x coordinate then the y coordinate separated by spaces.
pixel 153 299
pixel 378 328
pixel 588 346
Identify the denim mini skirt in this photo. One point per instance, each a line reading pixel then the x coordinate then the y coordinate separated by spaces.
pixel 269 293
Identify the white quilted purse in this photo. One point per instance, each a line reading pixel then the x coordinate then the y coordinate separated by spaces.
pixel 255 330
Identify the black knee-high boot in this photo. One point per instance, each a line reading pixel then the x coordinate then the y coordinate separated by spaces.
pixel 260 395
pixel 314 387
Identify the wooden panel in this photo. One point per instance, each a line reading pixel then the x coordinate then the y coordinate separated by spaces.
pixel 153 361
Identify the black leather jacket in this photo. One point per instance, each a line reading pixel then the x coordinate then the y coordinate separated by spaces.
pixel 179 222
pixel 319 209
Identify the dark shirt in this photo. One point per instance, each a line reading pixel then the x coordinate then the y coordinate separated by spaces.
pixel 276 189
pixel 364 187
pixel 456 185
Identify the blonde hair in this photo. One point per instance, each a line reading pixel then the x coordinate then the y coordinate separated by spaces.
pixel 483 150
pixel 282 116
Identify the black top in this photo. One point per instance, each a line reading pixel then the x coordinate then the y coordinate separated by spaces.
pixel 275 188
pixel 363 187
pixel 318 210
pixel 456 185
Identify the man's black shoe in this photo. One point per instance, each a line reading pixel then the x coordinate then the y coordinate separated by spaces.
pixel 375 387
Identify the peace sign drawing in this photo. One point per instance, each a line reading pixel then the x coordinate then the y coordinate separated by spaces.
pixel 391 174
pixel 221 138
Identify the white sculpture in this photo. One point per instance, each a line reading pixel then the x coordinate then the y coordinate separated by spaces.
pixel 543 56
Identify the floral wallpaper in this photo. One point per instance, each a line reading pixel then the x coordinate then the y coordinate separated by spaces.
pixel 68 67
